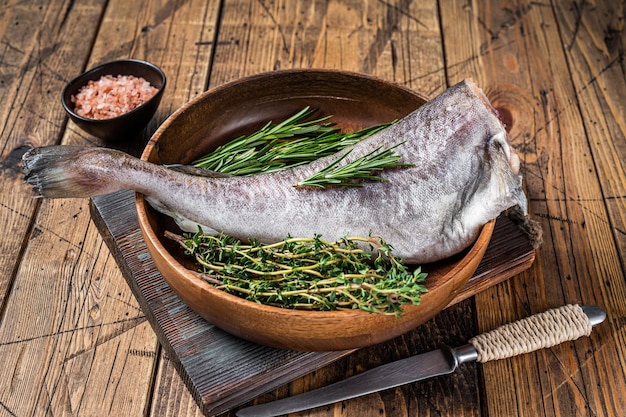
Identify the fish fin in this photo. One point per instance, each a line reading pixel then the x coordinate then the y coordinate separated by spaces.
pixel 196 171
pixel 520 198
pixel 66 171
pixel 182 222
pixel 506 157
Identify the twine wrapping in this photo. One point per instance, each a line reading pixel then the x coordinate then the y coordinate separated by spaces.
pixel 543 330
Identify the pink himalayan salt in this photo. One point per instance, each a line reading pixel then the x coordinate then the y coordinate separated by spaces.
pixel 111 96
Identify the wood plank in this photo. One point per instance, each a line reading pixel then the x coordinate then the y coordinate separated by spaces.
pixel 594 40
pixel 38 328
pixel 35 53
pixel 517 54
pixel 174 399
pixel 66 321
pixel 398 41
pixel 594 37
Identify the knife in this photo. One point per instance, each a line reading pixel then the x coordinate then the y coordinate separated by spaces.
pixel 539 331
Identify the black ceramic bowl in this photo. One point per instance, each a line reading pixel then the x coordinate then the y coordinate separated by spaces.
pixel 128 124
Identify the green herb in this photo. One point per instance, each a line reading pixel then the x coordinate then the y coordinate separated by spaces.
pixel 361 168
pixel 308 273
pixel 293 142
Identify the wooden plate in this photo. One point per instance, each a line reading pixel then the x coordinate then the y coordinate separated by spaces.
pixel 221 114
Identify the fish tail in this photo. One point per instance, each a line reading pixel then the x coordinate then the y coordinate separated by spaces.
pixel 68 171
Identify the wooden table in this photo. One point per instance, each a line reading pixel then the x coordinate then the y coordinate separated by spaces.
pixel 73 338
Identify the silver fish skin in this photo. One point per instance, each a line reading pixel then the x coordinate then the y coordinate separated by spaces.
pixel 465 173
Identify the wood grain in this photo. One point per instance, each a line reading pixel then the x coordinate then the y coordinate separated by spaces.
pixel 90 324
pixel 57 324
pixel 33 59
pixel 73 340
pixel 594 37
pixel 518 55
pixel 398 41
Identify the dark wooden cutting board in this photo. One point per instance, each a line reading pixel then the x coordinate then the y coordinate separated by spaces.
pixel 223 371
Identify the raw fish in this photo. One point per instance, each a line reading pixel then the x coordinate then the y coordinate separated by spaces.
pixel 464 173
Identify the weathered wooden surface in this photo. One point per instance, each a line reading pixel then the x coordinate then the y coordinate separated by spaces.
pixel 73 339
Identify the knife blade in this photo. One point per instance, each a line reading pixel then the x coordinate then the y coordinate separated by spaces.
pixel 542 330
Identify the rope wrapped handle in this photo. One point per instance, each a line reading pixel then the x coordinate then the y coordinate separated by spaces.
pixel 539 331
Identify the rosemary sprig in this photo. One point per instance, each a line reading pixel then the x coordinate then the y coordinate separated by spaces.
pixel 361 168
pixel 274 147
pixel 308 273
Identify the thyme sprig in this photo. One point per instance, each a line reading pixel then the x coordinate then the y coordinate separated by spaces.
pixel 308 273
pixel 362 168
pixel 277 146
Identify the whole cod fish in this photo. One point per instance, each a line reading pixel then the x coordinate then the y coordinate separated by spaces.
pixel 464 173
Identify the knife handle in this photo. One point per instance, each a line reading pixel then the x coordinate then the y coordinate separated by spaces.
pixel 539 331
